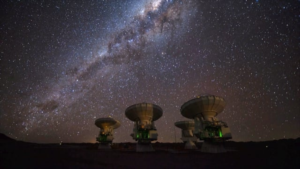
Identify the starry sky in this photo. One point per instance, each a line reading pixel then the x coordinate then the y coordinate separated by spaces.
pixel 65 63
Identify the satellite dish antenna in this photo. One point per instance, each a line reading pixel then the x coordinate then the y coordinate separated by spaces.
pixel 188 137
pixel 204 109
pixel 143 115
pixel 105 137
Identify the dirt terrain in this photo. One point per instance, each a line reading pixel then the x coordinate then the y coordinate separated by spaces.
pixel 271 154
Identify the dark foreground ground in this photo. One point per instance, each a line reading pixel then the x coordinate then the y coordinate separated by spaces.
pixel 272 154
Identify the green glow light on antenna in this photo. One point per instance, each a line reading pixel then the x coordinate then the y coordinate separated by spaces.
pixel 220 133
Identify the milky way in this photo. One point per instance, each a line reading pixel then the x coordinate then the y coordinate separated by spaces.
pixel 64 64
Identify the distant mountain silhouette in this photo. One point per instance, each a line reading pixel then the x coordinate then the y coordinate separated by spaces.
pixel 5 139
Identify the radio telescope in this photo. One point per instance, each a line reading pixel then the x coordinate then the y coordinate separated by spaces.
pixel 204 110
pixel 187 135
pixel 105 137
pixel 144 131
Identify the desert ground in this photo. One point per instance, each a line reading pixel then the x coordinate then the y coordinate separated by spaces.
pixel 270 154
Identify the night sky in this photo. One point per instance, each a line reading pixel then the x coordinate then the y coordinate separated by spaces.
pixel 63 64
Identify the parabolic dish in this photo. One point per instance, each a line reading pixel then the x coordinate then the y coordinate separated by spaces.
pixel 107 122
pixel 143 111
pixel 185 125
pixel 209 105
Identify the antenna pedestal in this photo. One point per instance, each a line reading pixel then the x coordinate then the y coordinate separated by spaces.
pixel 104 146
pixel 144 147
pixel 209 147
pixel 190 145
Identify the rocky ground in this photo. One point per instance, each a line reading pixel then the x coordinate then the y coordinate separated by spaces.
pixel 271 154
